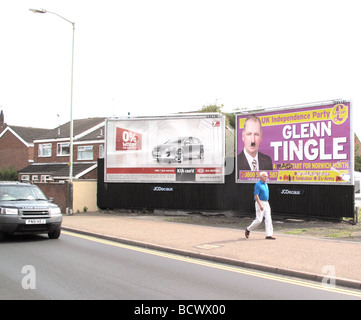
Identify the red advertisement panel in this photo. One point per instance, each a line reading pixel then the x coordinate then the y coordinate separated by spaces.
pixel 128 140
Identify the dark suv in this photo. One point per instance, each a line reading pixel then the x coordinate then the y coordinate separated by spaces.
pixel 178 149
pixel 24 209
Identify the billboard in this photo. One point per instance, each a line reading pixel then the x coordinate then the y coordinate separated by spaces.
pixel 305 144
pixel 185 148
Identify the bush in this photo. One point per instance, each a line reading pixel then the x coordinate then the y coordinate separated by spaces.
pixel 8 174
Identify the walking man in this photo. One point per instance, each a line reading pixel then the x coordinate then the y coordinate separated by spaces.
pixel 263 209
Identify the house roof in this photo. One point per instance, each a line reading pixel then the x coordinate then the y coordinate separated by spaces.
pixel 81 128
pixel 26 134
pixel 84 129
pixel 58 170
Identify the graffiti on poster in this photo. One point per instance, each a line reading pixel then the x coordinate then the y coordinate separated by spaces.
pixel 304 145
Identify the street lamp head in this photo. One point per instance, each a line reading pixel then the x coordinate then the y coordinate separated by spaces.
pixel 45 11
pixel 38 10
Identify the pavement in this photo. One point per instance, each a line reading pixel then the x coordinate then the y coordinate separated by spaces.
pixel 309 258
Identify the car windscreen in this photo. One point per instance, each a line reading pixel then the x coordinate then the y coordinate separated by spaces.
pixel 174 141
pixel 19 193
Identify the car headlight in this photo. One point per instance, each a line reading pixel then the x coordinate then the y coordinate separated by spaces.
pixel 54 211
pixel 9 211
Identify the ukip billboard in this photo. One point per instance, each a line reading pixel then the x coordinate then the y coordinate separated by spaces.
pixel 309 144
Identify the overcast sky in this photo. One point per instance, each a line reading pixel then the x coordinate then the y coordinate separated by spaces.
pixel 151 57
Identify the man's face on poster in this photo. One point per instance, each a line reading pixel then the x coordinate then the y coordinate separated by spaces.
pixel 252 136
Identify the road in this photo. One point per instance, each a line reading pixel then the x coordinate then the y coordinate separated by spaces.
pixel 80 267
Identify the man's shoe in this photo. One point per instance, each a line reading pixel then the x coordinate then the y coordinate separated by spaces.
pixel 270 238
pixel 246 233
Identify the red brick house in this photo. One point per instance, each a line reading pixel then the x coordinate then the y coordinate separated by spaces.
pixel 50 169
pixel 51 152
pixel 17 144
pixel 42 156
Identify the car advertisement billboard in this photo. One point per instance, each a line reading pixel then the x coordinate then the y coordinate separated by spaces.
pixel 184 148
pixel 306 144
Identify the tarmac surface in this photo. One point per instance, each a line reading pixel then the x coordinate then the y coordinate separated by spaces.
pixel 310 258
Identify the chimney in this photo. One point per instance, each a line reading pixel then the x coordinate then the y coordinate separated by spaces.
pixel 2 123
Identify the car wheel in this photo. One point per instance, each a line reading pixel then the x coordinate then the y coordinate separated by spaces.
pixel 55 234
pixel 201 154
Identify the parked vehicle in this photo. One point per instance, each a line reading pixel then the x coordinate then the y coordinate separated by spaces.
pixel 24 209
pixel 178 149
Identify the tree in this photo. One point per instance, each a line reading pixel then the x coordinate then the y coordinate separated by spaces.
pixel 230 121
pixel 230 117
pixel 357 159
pixel 8 174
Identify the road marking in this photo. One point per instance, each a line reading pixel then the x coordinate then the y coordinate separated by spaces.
pixel 239 270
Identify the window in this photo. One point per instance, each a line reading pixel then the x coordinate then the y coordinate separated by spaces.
pixel 35 178
pixel 85 153
pixel 25 177
pixel 46 178
pixel 63 149
pixel 44 150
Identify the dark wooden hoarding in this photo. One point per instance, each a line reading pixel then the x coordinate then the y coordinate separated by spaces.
pixel 306 201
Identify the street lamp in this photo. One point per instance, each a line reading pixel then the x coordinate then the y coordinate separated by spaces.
pixel 70 185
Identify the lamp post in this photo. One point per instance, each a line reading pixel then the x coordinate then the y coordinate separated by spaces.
pixel 70 184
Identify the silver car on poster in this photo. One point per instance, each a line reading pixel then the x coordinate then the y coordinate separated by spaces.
pixel 178 149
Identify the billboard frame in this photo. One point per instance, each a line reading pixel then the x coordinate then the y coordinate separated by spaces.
pixel 261 111
pixel 217 170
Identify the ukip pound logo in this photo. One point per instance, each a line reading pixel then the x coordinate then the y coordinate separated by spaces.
pixel 339 114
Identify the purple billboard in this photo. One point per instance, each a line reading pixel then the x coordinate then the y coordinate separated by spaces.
pixel 311 144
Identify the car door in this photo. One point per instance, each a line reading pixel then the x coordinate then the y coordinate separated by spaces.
pixel 187 147
pixel 196 147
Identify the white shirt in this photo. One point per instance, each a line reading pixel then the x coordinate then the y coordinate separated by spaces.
pixel 250 160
